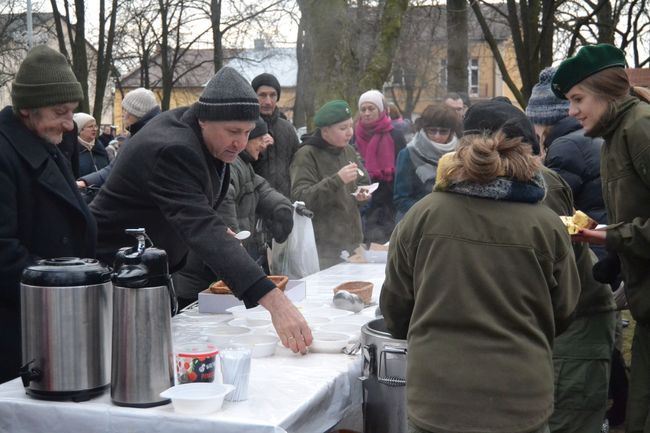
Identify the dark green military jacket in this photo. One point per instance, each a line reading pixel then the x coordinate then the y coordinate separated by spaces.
pixel 625 172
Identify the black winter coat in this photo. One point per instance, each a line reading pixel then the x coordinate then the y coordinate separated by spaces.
pixel 576 158
pixel 166 181
pixel 42 215
pixel 273 164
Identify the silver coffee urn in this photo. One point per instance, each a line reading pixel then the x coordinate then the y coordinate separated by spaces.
pixel 66 328
pixel 142 361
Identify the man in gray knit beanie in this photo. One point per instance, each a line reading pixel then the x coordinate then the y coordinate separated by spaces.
pixel 171 177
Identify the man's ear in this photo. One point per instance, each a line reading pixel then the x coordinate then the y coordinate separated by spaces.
pixel 201 123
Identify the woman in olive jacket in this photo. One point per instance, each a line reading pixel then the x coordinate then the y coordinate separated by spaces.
pixel 601 98
pixel 325 174
pixel 480 278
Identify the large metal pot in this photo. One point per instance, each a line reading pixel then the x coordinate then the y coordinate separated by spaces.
pixel 384 380
pixel 66 328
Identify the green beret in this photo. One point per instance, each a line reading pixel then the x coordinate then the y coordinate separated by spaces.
pixel 332 112
pixel 589 60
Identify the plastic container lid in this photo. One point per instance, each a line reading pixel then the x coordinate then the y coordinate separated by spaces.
pixel 199 348
pixel 66 272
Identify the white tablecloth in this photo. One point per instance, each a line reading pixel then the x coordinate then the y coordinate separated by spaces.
pixel 287 393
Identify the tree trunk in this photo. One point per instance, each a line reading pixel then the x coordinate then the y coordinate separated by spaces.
pixel 605 22
pixel 104 57
pixel 217 35
pixel 457 46
pixel 303 107
pixel 380 64
pixel 79 55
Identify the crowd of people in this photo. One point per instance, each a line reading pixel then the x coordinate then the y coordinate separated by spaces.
pixel 511 323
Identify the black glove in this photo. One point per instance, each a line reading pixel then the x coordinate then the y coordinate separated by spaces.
pixel 282 224
pixel 607 270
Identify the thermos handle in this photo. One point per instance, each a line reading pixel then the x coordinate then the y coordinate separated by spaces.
pixel 390 380
pixel 29 375
pixel 141 237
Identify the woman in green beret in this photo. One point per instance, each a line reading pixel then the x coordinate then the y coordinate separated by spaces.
pixel 602 99
pixel 326 173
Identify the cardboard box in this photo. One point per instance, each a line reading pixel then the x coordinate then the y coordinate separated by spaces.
pixel 209 302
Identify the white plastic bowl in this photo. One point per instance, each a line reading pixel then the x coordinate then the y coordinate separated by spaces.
pixel 262 345
pixel 331 312
pixel 197 398
pixel 225 335
pixel 329 342
pixel 240 311
pixel 350 329
pixel 316 321
pixel 356 319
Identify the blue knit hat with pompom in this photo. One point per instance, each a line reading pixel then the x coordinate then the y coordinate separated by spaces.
pixel 544 108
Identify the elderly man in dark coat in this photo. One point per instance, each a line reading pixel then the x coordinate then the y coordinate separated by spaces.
pixel 42 213
pixel 273 165
pixel 170 178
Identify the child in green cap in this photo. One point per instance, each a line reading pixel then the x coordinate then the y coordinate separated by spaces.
pixel 602 99
pixel 325 174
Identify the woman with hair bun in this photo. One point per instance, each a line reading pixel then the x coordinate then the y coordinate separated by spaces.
pixel 606 105
pixel 480 278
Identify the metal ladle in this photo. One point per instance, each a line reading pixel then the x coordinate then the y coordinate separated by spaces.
pixel 345 300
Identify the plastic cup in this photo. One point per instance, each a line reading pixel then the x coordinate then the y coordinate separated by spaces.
pixel 197 362
pixel 236 370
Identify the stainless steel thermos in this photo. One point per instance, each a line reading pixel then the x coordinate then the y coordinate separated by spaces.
pixel 66 328
pixel 142 358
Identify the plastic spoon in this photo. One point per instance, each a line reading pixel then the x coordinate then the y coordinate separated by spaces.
pixel 244 234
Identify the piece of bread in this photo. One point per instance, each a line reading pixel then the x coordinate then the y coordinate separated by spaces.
pixel 577 222
pixel 582 220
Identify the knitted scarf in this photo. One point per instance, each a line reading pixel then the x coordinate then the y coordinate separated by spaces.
pixel 377 147
pixel 501 188
pixel 88 145
pixel 425 154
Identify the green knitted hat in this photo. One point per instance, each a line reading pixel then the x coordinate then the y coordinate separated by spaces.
pixel 589 60
pixel 44 79
pixel 332 112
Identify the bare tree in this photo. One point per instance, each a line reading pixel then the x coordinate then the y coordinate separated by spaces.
pixel 242 14
pixel 106 38
pixel 77 37
pixel 531 25
pixel 457 45
pixel 415 66
pixel 624 23
pixel 347 60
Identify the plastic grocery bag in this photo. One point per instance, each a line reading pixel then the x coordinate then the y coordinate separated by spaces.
pixel 297 256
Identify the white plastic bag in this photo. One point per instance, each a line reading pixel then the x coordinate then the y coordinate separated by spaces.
pixel 296 257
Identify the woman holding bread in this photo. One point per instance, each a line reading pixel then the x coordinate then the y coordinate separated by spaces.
pixel 480 277
pixel 602 99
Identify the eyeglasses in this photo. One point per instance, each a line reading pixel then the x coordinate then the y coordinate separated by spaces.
pixel 437 131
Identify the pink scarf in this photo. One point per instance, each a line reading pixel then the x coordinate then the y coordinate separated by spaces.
pixel 377 148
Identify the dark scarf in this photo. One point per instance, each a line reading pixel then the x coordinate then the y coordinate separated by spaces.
pixel 501 188
pixel 377 147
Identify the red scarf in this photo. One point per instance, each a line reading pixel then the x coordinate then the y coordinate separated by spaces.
pixel 377 147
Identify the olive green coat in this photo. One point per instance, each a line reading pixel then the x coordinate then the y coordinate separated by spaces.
pixel 625 173
pixel 480 288
pixel 314 180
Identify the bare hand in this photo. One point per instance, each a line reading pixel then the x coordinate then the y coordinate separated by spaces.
pixel 287 321
pixel 348 173
pixel 362 195
pixel 81 184
pixel 596 237
pixel 230 232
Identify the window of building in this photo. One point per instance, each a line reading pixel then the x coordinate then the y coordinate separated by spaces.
pixel 472 77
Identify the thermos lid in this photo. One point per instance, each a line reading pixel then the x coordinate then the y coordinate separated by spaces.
pixel 66 272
